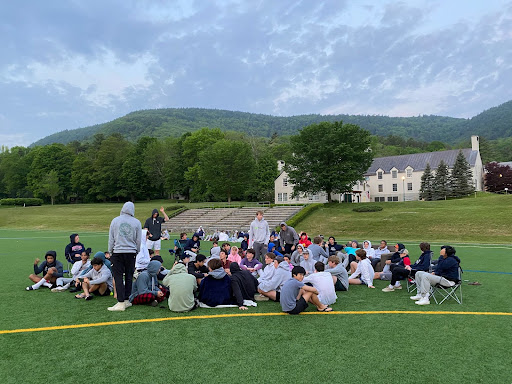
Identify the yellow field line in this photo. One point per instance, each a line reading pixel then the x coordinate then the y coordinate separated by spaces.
pixel 89 325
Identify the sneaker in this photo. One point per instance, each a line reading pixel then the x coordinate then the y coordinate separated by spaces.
pixel 423 301
pixel 89 297
pixel 417 297
pixel 29 288
pixel 388 289
pixel 154 303
pixel 261 297
pixel 118 307
pixel 58 289
pixel 398 286
pixel 127 304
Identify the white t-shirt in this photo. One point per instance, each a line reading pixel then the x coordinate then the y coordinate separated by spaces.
pixel 322 281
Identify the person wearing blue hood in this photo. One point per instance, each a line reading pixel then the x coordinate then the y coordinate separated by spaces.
pixel 272 248
pixel 74 249
pixel 154 226
pixel 124 240
pixel 52 269
pixel 215 289
pixel 445 274
pixel 145 289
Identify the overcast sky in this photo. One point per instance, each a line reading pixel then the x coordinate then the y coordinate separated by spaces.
pixel 70 64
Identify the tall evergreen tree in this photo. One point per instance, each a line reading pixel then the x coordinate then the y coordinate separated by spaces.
pixel 461 178
pixel 427 184
pixel 441 185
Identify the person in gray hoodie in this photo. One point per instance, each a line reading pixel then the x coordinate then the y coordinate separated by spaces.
pixel 317 252
pixel 124 243
pixel 307 262
pixel 146 290
pixel 97 280
pixel 288 238
pixel 259 235
pixel 338 270
pixel 272 288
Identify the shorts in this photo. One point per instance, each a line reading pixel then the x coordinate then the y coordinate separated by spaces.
pixel 338 286
pixel 385 275
pixel 106 293
pixel 278 296
pixel 156 245
pixel 300 306
pixel 363 282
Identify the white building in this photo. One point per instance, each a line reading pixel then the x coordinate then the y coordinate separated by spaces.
pixel 392 178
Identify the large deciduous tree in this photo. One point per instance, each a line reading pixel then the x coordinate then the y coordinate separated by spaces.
pixel 328 157
pixel 498 177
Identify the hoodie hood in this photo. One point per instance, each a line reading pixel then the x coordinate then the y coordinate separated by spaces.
pixel 178 268
pixel 301 246
pixel 155 211
pixel 234 267
pixel 51 253
pixel 128 209
pixel 154 267
pixel 400 246
pixel 284 265
pixel 100 255
pixel 218 273
pixel 270 246
pixel 72 238
pixel 455 257
pixel 369 243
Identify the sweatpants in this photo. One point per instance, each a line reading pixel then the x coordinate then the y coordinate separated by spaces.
pixel 123 266
pixel 61 281
pixel 260 250
pixel 425 280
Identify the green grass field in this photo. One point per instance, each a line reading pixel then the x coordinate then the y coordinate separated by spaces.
pixel 420 347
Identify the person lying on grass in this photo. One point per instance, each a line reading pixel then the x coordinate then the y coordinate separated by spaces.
pixel 146 290
pixel 51 269
pixel 270 289
pixel 364 271
pixel 98 280
pixel 295 295
pixel 323 283
pixel 83 265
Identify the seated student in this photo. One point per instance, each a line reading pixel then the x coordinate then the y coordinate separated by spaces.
pixel 245 243
pixel 446 273
pixel 142 259
pixel 370 252
pixel 295 295
pixel 182 242
pixel 224 260
pixel 234 256
pixel 226 247
pixel 106 262
pixel 268 271
pixel 339 273
pixel 364 271
pixel 243 284
pixel 322 281
pixel 74 249
pixel 304 240
pixel 214 251
pixel 197 268
pixel 316 251
pixel 182 285
pixel 351 248
pixel 223 236
pixel 146 290
pixel 272 248
pixel 192 246
pixel 200 232
pixel 164 235
pixel 288 259
pixel 394 259
pixel 64 283
pixel 215 289
pixel 399 271
pixel 250 263
pixel 332 247
pixel 307 262
pixel 51 269
pixel 270 289
pixel 381 250
pixel 297 255
pixel 274 238
pixel 98 280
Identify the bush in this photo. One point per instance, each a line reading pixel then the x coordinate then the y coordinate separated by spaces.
pixel 302 214
pixel 368 208
pixel 22 201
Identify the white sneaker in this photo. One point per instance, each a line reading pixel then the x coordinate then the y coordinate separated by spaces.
pixel 58 289
pixel 127 304
pixel 415 298
pixel 261 297
pixel 423 301
pixel 120 306
pixel 388 289
pixel 398 286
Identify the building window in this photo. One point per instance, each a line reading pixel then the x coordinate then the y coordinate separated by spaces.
pixel 392 198
pixel 379 175
pixel 381 188
pixel 395 187
pixel 409 186
pixel 394 174
pixel 310 197
pixel 279 197
pixel 285 197
pixel 380 199
pixel 285 182
pixel 408 172
pixel 297 198
pixel 316 197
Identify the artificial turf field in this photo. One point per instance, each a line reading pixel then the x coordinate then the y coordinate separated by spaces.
pixel 346 346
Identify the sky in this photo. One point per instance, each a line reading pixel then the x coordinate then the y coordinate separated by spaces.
pixel 71 64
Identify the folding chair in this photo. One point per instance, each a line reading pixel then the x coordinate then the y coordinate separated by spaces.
pixel 440 293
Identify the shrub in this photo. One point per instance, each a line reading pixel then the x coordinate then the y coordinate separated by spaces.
pixel 368 208
pixel 302 214
pixel 28 201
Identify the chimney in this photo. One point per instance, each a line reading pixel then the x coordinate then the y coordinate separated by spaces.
pixel 280 165
pixel 475 143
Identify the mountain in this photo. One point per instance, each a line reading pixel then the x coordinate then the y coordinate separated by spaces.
pixel 493 123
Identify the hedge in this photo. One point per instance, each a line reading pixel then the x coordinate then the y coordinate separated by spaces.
pixel 368 208
pixel 302 214
pixel 21 201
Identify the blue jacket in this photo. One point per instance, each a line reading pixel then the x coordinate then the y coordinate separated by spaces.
pixel 192 244
pixel 423 263
pixel 215 291
pixel 448 268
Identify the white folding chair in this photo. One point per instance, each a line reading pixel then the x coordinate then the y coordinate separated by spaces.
pixel 441 293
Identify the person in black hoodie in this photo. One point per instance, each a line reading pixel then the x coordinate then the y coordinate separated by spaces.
pixel 445 274
pixel 51 268
pixel 74 249
pixel 154 226
pixel 192 246
pixel 197 268
pixel 332 247
pixel 243 284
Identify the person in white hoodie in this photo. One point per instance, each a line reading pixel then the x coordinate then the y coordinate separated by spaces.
pixel 142 260
pixel 259 235
pixel 364 271
pixel 271 288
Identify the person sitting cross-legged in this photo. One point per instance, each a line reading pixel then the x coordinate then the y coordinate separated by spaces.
pixel 295 295
pixel 79 267
pixel 51 269
pixel 323 282
pixel 182 285
pixel 146 290
pixel 98 280
pixel 364 271
pixel 271 288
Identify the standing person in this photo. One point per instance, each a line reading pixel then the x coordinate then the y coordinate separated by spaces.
pixel 259 235
pixel 124 240
pixel 288 238
pixel 154 227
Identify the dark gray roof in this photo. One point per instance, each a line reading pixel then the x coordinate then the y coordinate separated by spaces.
pixel 418 161
pixel 506 163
